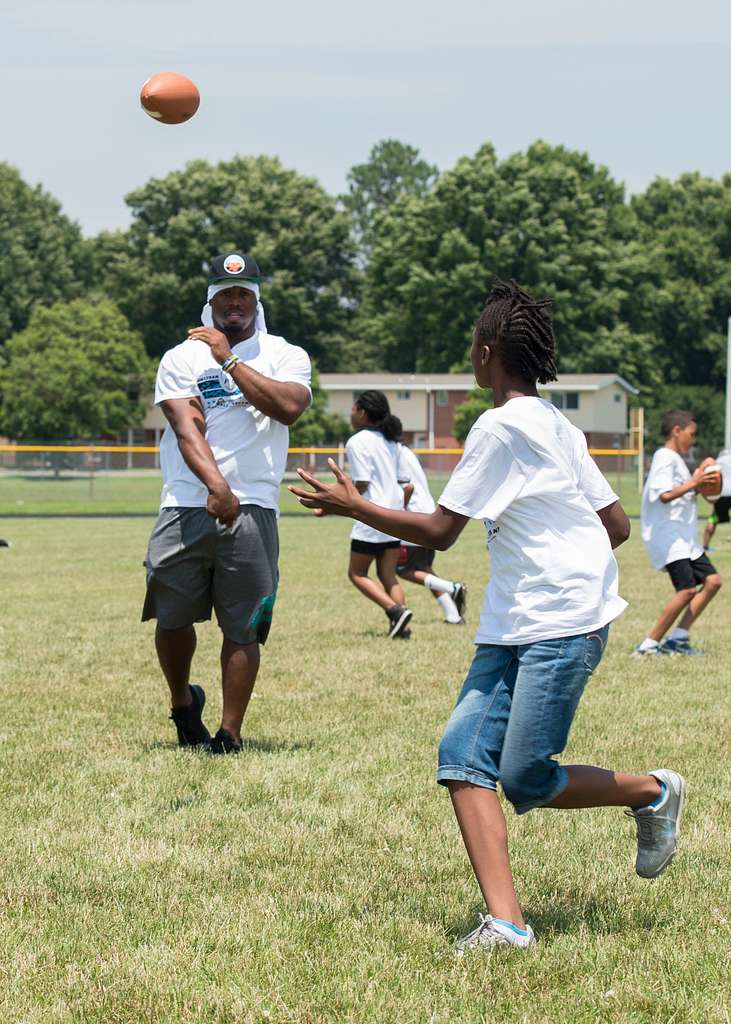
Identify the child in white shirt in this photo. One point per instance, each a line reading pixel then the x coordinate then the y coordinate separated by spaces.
pixel 551 521
pixel 373 459
pixel 670 531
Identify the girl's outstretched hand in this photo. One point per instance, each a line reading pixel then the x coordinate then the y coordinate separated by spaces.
pixel 338 499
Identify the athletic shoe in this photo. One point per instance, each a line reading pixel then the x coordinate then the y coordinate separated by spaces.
pixel 658 827
pixel 405 634
pixel 224 743
pixel 671 646
pixel 651 651
pixel 191 730
pixel 399 618
pixel 459 622
pixel 491 932
pixel 459 596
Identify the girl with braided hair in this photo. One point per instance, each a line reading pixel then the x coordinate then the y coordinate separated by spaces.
pixel 373 458
pixel 551 521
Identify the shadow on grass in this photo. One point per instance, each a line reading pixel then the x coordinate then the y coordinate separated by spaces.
pixel 600 917
pixel 254 746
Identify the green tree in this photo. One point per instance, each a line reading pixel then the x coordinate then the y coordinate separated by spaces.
pixel 41 251
pixel 156 270
pixel 393 170
pixel 466 414
pixel 685 230
pixel 72 373
pixel 316 426
pixel 707 405
pixel 549 218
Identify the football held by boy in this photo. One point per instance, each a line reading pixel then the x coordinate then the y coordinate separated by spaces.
pixel 669 519
pixel 551 521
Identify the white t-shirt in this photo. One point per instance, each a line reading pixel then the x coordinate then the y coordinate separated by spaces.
pixel 669 530
pixel 375 461
pixel 411 471
pixel 250 448
pixel 527 474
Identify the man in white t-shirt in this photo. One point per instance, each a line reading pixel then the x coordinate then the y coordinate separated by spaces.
pixel 230 392
pixel 551 521
pixel 670 531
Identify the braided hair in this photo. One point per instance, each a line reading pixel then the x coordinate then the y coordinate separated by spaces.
pixel 520 329
pixel 375 405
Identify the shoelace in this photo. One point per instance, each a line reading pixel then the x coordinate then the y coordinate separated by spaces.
pixel 645 830
pixel 485 927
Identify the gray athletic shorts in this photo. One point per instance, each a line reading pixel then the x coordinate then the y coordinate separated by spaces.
pixel 195 564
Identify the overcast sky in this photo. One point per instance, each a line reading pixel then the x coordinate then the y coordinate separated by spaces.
pixel 642 85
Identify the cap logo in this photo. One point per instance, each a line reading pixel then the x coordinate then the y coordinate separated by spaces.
pixel 234 263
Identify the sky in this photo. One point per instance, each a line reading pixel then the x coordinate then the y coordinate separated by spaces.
pixel 643 86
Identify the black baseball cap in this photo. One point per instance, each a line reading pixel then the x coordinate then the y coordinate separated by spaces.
pixel 234 266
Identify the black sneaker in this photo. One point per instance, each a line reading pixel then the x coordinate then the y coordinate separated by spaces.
pixel 224 743
pixel 191 730
pixel 399 617
pixel 460 598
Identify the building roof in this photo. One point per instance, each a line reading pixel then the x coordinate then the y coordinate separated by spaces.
pixel 459 382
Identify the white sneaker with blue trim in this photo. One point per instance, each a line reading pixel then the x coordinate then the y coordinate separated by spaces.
pixel 491 932
pixel 658 825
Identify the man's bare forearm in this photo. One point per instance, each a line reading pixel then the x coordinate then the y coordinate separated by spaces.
pixel 199 459
pixel 282 400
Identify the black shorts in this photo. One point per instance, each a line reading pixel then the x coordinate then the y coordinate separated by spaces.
pixel 686 574
pixel 720 510
pixel 415 559
pixel 367 547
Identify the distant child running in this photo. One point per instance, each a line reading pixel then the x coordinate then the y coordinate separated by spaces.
pixel 670 531
pixel 551 521
pixel 416 564
pixel 373 458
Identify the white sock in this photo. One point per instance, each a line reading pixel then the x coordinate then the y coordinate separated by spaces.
pixel 449 608
pixel 648 643
pixel 436 583
pixel 679 634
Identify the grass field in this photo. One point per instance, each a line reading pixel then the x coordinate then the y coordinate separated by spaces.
pixel 138 493
pixel 319 877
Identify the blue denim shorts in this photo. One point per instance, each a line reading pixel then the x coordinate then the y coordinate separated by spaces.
pixel 514 713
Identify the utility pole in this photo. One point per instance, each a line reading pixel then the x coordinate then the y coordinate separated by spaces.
pixel 727 432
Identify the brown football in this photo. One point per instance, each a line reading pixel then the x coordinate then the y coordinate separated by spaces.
pixel 169 97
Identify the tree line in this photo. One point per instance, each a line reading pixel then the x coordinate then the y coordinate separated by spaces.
pixel 389 276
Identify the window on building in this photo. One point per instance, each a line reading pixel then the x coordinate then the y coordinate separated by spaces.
pixel 565 399
pixel 617 397
pixel 403 396
pixel 442 398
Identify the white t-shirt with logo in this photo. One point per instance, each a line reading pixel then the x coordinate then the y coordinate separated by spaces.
pixel 527 473
pixel 375 461
pixel 249 447
pixel 669 529
pixel 411 471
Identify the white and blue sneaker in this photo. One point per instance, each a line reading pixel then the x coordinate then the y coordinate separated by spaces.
pixel 651 652
pixel 658 825
pixel 670 646
pixel 491 932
